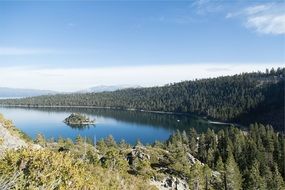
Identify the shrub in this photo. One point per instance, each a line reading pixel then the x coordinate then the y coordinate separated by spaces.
pixel 46 169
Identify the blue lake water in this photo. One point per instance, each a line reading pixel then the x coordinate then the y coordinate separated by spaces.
pixel 128 125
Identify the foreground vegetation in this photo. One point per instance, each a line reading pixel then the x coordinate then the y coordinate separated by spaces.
pixel 47 169
pixel 228 159
pixel 244 98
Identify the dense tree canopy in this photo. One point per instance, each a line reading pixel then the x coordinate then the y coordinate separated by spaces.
pixel 252 159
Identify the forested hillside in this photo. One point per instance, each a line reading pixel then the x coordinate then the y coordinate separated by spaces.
pixel 243 98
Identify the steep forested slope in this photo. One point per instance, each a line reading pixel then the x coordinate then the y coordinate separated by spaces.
pixel 244 98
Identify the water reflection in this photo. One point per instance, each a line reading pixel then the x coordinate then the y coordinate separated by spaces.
pixel 167 121
pixel 128 125
pixel 79 126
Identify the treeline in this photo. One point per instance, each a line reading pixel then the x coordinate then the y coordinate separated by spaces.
pixel 241 98
pixel 245 160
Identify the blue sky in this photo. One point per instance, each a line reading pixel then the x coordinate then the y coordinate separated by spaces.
pixel 54 37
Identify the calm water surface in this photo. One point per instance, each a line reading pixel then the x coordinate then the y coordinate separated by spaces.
pixel 128 125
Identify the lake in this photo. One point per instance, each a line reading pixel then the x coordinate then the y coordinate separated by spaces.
pixel 128 125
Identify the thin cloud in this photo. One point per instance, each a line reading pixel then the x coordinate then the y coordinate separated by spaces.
pixel 202 7
pixel 263 18
pixel 177 19
pixel 267 24
pixel 43 51
pixel 189 14
pixel 257 9
pixel 23 51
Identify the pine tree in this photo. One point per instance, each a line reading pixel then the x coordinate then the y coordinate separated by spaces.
pixel 210 157
pixel 233 178
pixel 196 178
pixel 281 151
pixel 185 139
pixel 193 141
pixel 202 151
pixel 266 173
pixel 220 167
pixel 110 141
pixel 277 182
pixel 207 173
pixel 255 181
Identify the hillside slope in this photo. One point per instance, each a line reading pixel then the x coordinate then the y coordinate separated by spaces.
pixel 229 98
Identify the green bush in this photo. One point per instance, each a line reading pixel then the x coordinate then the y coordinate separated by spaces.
pixel 48 169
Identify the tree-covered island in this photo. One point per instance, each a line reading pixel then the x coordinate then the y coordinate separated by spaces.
pixel 78 119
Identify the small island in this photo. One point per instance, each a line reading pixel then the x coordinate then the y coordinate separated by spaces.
pixel 78 119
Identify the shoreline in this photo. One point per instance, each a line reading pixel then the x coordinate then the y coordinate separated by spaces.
pixel 218 122
pixel 128 109
pixel 98 107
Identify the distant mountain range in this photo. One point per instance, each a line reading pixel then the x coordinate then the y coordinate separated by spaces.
pixel 105 88
pixel 20 93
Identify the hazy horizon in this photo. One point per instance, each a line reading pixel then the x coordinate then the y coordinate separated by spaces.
pixel 136 76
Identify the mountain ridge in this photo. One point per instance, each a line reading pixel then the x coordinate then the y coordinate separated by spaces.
pixel 107 88
pixel 7 92
pixel 23 92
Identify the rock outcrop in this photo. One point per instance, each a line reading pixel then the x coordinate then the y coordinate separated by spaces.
pixel 137 152
pixel 8 141
pixel 192 160
pixel 170 183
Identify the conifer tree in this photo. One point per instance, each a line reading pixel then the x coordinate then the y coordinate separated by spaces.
pixel 196 178
pixel 255 181
pixel 193 141
pixel 233 178
pixel 278 182
pixel 110 141
pixel 202 151
pixel 220 167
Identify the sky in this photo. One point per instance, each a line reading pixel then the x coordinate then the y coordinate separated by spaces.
pixel 73 45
